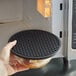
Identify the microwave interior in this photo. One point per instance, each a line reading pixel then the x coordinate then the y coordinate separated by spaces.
pixel 18 15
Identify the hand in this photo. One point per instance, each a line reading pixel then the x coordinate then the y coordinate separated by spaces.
pixel 6 58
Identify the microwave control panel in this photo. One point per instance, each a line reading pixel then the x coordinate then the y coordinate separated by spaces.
pixel 74 25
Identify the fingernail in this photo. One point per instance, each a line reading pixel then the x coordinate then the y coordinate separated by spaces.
pixel 15 41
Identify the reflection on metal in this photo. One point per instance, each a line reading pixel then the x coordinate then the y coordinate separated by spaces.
pixel 44 7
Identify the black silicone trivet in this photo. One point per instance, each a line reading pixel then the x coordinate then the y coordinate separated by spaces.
pixel 35 44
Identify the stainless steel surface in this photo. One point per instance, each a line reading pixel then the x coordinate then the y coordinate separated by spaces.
pixel 65 28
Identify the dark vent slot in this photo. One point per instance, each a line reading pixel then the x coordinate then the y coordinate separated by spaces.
pixel 60 34
pixel 61 6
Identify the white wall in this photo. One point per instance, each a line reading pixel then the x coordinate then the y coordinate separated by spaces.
pixel 33 18
pixel 10 10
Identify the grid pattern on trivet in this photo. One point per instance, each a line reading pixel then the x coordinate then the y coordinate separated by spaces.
pixel 35 44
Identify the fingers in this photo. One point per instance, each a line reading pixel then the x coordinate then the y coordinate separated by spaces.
pixel 20 70
pixel 3 70
pixel 10 70
pixel 10 45
pixel 5 53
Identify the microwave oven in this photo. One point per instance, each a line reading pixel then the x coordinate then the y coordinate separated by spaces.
pixel 18 15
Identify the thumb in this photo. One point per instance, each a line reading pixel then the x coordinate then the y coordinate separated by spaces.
pixel 5 53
